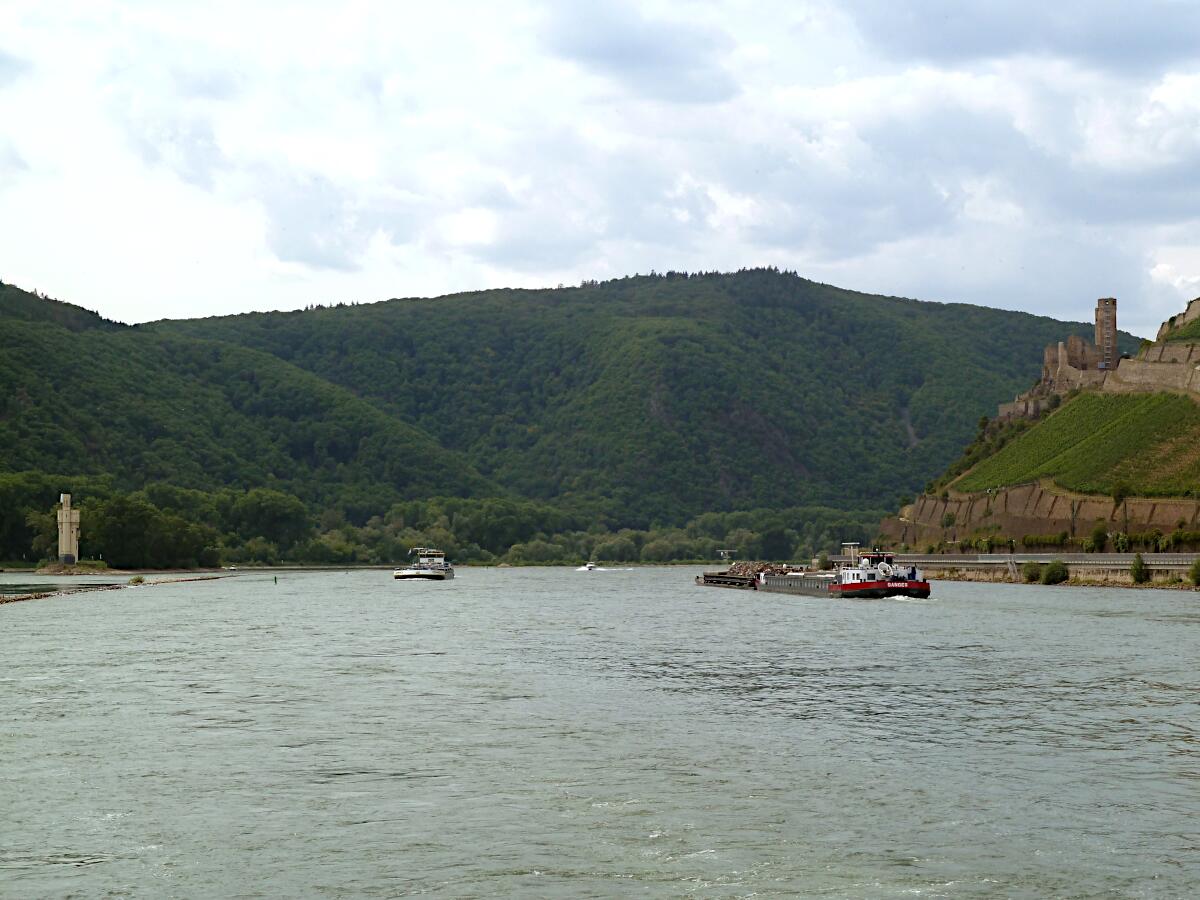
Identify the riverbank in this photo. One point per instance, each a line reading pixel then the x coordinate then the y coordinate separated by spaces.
pixel 1107 579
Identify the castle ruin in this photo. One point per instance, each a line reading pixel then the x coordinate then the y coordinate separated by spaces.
pixel 1170 363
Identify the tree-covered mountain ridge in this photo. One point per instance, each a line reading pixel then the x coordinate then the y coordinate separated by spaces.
pixel 656 398
pixel 644 399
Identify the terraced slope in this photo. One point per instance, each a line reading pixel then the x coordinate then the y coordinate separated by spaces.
pixel 1146 444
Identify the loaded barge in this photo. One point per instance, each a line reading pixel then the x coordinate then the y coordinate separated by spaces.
pixel 871 574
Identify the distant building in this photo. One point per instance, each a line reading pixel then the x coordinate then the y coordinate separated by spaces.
pixel 1106 332
pixel 68 532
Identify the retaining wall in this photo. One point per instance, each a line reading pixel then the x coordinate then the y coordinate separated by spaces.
pixel 1031 509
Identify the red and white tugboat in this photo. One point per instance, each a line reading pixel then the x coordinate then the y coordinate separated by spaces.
pixel 875 573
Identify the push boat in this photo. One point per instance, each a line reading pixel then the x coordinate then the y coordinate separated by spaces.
pixel 870 574
pixel 430 565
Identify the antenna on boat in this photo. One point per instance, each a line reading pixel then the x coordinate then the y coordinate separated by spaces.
pixel 850 549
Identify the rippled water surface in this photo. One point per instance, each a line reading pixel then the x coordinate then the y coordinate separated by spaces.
pixel 554 733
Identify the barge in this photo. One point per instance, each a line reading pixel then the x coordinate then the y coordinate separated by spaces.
pixel 871 574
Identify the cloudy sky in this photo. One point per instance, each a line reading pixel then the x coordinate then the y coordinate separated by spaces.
pixel 162 159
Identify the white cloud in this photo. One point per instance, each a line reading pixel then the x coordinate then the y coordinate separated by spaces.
pixel 182 160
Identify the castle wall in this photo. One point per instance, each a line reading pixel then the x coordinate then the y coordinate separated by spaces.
pixel 1067 376
pixel 1192 312
pixel 1082 355
pixel 1023 407
pixel 1172 352
pixel 1134 375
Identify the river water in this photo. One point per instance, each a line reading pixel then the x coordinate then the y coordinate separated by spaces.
pixel 552 733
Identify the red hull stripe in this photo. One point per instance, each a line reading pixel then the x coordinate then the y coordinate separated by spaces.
pixel 880 586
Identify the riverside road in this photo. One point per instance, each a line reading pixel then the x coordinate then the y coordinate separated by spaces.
pixel 1174 561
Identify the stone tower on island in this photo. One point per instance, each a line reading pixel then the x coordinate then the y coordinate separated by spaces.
pixel 1106 332
pixel 68 532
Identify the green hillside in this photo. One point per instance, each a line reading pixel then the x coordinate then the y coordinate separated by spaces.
pixel 652 418
pixel 657 398
pixel 28 307
pixel 1144 444
pixel 143 408
pixel 1189 331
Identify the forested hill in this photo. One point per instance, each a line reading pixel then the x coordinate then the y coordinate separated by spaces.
pixel 142 408
pixel 654 398
pixel 31 307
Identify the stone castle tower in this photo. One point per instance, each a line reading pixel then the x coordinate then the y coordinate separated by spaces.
pixel 68 532
pixel 1106 332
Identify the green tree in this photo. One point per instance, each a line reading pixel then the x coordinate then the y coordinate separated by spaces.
pixel 617 549
pixel 128 531
pixel 1120 491
pixel 1055 572
pixel 44 529
pixel 537 551
pixel 278 517
pixel 1099 537
pixel 664 549
pixel 1194 573
pixel 1139 571
pixel 777 543
pixel 260 550
pixel 120 529
pixel 1031 571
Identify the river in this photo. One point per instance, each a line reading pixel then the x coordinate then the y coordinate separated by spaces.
pixel 553 733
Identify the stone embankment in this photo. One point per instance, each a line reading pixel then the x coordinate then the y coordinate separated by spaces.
pixel 1081 576
pixel 1031 509
pixel 1166 570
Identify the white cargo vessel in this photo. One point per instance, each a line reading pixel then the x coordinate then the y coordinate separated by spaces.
pixel 430 565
